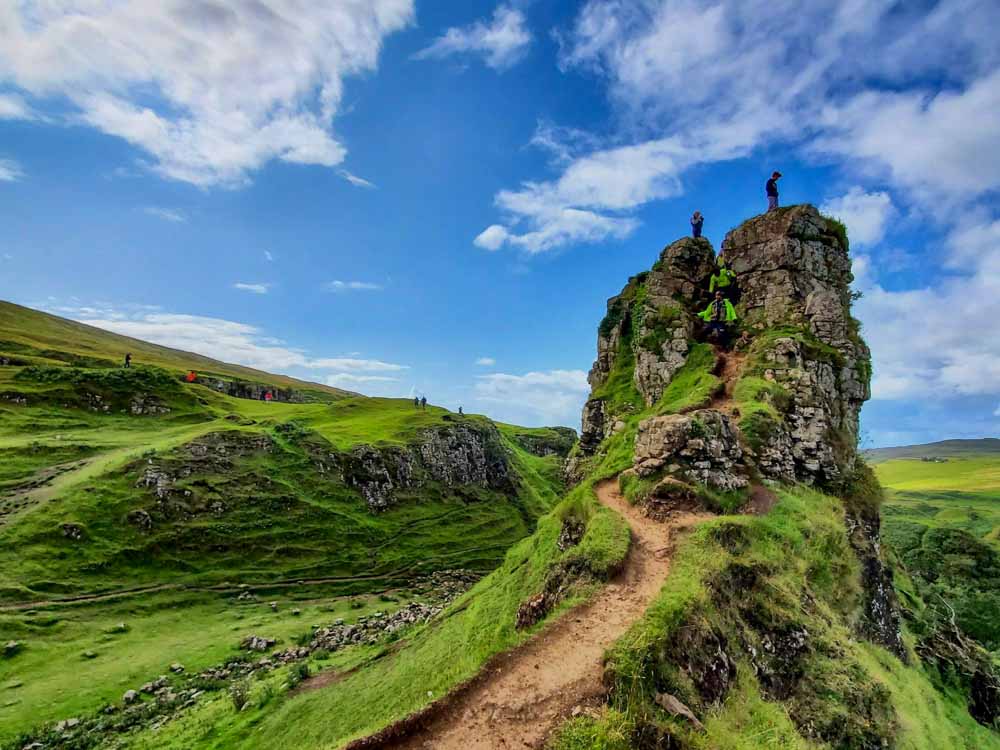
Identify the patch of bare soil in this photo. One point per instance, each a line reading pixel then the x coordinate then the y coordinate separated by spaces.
pixel 523 695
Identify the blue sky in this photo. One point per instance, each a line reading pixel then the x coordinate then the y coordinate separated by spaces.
pixel 400 197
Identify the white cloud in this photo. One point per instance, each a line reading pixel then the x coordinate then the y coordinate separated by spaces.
pixel 13 107
pixel 255 288
pixel 10 171
pixel 996 413
pixel 210 90
pixel 864 214
pixel 552 396
pixel 225 340
pixel 352 364
pixel 347 379
pixel 167 214
pixel 355 180
pixel 694 82
pixel 486 361
pixel 938 342
pixel 502 43
pixel 268 256
pixel 353 286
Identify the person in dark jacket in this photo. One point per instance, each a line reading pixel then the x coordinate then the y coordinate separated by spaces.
pixel 772 191
pixel 697 222
pixel 423 402
pixel 128 360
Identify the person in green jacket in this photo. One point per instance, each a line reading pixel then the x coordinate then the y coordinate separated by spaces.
pixel 724 280
pixel 719 314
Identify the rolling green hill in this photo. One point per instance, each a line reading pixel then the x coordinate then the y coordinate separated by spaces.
pixel 943 520
pixel 940 449
pixel 131 496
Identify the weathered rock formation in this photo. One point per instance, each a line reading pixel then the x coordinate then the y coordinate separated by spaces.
pixel 807 369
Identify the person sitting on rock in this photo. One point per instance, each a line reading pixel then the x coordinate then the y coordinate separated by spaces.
pixel 719 314
pixel 697 222
pixel 772 191
pixel 724 280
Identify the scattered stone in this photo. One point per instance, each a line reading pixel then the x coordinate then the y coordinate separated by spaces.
pixel 89 654
pixel 274 606
pixel 176 668
pixel 66 725
pixel 296 612
pixel 675 707
pixel 72 531
pixel 257 643
pixel 12 648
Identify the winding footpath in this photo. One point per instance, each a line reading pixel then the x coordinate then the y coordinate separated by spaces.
pixel 530 691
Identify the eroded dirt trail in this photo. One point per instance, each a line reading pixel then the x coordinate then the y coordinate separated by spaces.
pixel 537 685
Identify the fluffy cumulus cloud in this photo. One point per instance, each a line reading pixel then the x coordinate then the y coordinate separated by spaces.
pixel 547 397
pixel 229 87
pixel 864 214
pixel 225 340
pixel 501 42
pixel 938 341
pixel 486 361
pixel 701 81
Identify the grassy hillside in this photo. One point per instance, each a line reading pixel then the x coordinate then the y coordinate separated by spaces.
pixel 135 508
pixel 941 449
pixel 32 337
pixel 943 521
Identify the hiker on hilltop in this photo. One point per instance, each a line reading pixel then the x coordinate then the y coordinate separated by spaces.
pixel 719 314
pixel 460 411
pixel 771 188
pixel 128 360
pixel 724 280
pixel 416 402
pixel 423 402
pixel 697 222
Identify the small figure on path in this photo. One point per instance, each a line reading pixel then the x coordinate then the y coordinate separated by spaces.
pixel 460 411
pixel 267 396
pixel 697 222
pixel 719 314
pixel 128 360
pixel 772 191
pixel 423 402
pixel 416 402
pixel 191 376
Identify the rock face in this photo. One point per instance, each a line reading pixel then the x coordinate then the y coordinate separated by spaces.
pixel 245 389
pixel 803 355
pixel 702 447
pixel 794 273
pixel 469 454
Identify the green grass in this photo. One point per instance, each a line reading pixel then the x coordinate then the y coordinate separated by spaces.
pixel 433 659
pixel 736 577
pixel 971 474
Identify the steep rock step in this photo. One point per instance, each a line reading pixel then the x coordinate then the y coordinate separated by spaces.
pixel 526 693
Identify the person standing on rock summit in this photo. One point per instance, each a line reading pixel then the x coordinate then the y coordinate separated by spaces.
pixel 697 222
pixel 771 188
pixel 719 314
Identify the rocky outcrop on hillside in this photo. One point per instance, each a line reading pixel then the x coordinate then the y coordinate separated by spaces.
pixel 810 369
pixel 248 390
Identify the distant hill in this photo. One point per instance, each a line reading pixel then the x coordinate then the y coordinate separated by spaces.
pixel 942 448
pixel 32 337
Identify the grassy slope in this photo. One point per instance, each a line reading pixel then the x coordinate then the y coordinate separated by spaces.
pixel 801 548
pixel 41 338
pixel 943 448
pixel 284 521
pixel 943 521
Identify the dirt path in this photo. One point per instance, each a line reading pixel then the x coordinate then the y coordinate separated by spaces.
pixel 728 368
pixel 540 683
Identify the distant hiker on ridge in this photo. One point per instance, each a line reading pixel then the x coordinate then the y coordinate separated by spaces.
pixel 460 411
pixel 772 191
pixel 719 314
pixel 724 280
pixel 697 222
pixel 128 360
pixel 416 402
pixel 423 402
